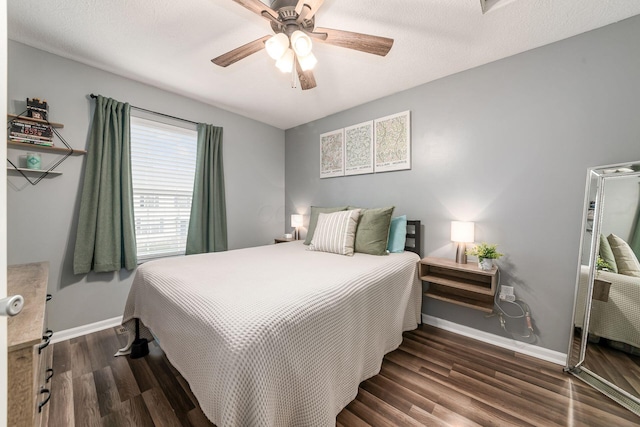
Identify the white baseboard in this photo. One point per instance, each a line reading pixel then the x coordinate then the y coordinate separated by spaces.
pixel 67 334
pixel 508 343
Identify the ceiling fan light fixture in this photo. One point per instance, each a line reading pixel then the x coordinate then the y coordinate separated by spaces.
pixel 277 45
pixel 307 62
pixel 285 63
pixel 301 43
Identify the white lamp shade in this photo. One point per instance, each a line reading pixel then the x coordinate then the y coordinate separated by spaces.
pixel 307 62
pixel 285 64
pixel 277 45
pixel 301 43
pixel 462 231
pixel 296 220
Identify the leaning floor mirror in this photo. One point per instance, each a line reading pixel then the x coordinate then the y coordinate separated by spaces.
pixel 604 349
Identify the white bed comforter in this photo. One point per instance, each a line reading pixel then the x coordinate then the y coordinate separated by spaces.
pixel 276 335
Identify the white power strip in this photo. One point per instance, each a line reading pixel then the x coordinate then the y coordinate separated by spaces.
pixel 506 294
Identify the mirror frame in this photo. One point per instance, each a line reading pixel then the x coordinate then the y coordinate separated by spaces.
pixel 597 178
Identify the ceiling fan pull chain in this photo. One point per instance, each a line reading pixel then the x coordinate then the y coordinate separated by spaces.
pixel 293 74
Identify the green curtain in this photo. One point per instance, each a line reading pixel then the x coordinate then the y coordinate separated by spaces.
pixel 208 221
pixel 635 235
pixel 106 238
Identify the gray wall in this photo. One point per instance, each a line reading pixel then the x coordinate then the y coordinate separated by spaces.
pixel 506 145
pixel 620 210
pixel 42 219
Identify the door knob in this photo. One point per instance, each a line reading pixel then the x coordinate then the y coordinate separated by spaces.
pixel 10 306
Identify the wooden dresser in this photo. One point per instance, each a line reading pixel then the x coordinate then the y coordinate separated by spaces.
pixel 29 355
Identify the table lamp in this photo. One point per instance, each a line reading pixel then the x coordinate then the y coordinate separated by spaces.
pixel 462 232
pixel 296 221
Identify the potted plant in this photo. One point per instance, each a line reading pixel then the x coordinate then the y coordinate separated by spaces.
pixel 601 264
pixel 486 253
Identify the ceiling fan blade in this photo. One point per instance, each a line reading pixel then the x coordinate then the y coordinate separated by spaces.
pixel 362 42
pixel 307 80
pixel 257 7
pixel 241 52
pixel 313 6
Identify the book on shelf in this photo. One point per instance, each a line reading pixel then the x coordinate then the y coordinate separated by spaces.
pixel 29 136
pixel 32 141
pixel 31 129
pixel 25 122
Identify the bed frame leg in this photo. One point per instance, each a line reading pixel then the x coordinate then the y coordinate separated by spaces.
pixel 140 346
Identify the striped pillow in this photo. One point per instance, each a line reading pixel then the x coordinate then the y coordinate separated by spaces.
pixel 336 232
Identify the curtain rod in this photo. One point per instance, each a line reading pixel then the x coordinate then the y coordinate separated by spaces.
pixel 155 112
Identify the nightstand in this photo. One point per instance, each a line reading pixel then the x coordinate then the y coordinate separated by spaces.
pixel 283 239
pixel 463 284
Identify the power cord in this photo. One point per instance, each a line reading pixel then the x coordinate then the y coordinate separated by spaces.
pixel 530 337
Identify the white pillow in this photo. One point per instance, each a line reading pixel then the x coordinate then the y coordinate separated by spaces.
pixel 626 260
pixel 335 232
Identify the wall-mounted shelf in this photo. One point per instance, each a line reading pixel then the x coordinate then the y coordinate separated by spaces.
pixel 57 150
pixel 33 171
pixel 31 119
pixel 38 131
pixel 462 284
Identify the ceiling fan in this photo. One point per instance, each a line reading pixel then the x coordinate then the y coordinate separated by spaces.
pixel 293 22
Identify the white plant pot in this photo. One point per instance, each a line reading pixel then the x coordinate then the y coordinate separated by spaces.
pixel 485 264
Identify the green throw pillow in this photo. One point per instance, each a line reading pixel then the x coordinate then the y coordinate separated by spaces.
pixel 313 219
pixel 607 254
pixel 373 231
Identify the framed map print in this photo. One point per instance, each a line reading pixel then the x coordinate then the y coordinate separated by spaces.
pixel 393 142
pixel 332 154
pixel 358 149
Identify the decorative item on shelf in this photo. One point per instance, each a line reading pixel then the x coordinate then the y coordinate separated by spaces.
pixel 37 109
pixel 462 233
pixel 486 254
pixel 296 221
pixel 33 161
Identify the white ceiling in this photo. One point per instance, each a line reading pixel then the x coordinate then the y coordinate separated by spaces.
pixel 169 44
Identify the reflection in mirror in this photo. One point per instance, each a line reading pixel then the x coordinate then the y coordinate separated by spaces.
pixel 606 354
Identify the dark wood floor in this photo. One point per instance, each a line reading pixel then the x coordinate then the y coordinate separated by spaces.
pixel 616 366
pixel 435 378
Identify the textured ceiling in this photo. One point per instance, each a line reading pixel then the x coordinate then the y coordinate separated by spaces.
pixel 169 44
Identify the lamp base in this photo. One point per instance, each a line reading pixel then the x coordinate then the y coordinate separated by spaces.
pixel 461 253
pixel 296 236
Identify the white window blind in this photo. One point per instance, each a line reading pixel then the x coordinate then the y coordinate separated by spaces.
pixel 163 163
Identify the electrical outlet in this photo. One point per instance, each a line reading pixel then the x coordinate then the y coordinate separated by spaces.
pixel 507 294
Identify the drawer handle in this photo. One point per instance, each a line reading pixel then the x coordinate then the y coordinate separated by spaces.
pixel 49 296
pixel 49 375
pixel 47 339
pixel 45 401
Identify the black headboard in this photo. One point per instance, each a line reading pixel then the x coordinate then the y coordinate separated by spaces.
pixel 413 243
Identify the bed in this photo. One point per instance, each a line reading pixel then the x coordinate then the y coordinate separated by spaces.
pixel 276 335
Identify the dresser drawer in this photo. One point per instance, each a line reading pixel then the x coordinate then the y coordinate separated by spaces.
pixel 28 350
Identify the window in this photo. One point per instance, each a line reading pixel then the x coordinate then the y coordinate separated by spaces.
pixel 163 163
